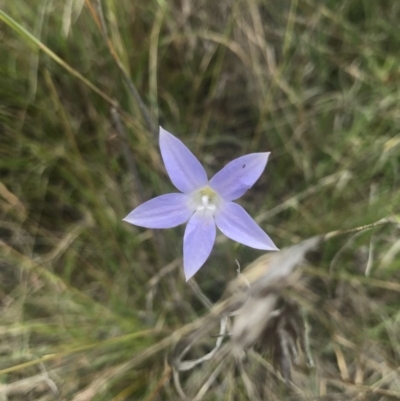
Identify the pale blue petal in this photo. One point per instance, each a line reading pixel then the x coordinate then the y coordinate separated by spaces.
pixel 236 224
pixel 198 242
pixel 239 175
pixel 165 211
pixel 184 170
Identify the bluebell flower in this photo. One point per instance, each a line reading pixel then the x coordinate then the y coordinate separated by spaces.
pixel 204 204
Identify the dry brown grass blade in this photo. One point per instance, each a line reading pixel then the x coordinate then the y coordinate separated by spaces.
pixel 341 361
pixel 23 386
pixel 12 201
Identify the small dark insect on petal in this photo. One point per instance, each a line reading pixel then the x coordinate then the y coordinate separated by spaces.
pixel 243 166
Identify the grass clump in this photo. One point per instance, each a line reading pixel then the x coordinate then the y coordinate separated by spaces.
pixel 90 306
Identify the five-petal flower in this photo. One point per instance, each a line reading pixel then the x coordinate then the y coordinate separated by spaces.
pixel 205 203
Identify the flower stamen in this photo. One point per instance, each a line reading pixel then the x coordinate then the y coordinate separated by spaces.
pixel 205 203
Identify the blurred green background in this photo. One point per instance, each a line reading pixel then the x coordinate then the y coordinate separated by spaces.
pixel 89 304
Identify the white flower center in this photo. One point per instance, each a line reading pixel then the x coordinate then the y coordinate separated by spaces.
pixel 205 204
pixel 205 199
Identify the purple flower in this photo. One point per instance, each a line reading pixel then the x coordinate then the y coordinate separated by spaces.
pixel 205 203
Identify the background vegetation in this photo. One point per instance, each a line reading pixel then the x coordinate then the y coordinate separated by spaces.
pixel 90 306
